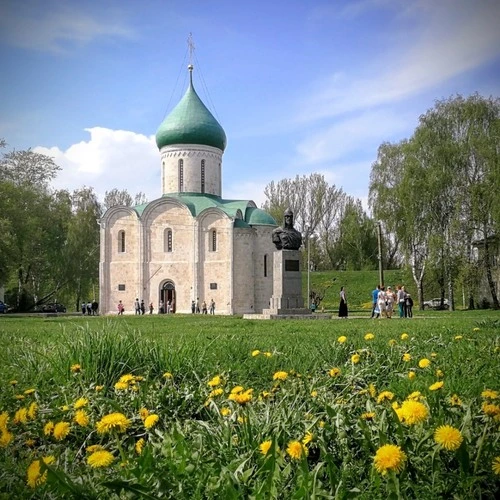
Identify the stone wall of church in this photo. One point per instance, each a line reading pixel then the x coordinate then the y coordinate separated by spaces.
pixel 192 178
pixel 120 270
pixel 243 276
pixel 214 262
pixel 263 256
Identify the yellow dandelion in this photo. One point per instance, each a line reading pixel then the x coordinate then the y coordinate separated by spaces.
pixel 76 368
pixel 215 381
pixel 81 418
pixel 127 379
pixel 151 421
pixel 389 457
pixel 265 446
pixel 29 391
pixel 424 363
pixel 495 466
pixel 385 396
pixel 139 446
pixel 237 389
pixel 433 355
pixel 225 412
pixel 342 339
pixel 242 420
pixel 30 443
pixel 334 372
pixel 406 357
pixel 93 448
pixel 34 476
pixel 21 416
pixel 102 458
pixel 476 329
pixel 455 400
pixel 113 422
pixel 392 342
pixel 372 390
pixel 321 424
pixel 490 409
pixel 280 375
pixel 256 352
pixel 19 396
pixel 268 354
pixel 369 336
pixel 404 336
pixel 395 405
pixel 411 375
pixel 489 394
pixel 4 418
pixel 448 437
pixel 369 415
pixel 121 386
pixel 355 359
pixel 80 403
pixel 413 412
pixel 48 428
pixel 61 430
pixel 143 413
pixel 296 450
pixel 216 392
pixel 459 337
pixel 241 398
pixel 439 373
pixel 264 395
pixel 436 386
pixel 64 408
pixel 6 438
pixel 415 396
pixel 32 410
pixel 309 436
pixel 314 394
pixel 98 388
pixel 13 382
pixel 167 375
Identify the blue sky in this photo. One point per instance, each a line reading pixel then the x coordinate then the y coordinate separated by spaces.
pixel 299 86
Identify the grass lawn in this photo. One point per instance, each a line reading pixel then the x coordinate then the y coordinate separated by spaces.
pixel 203 407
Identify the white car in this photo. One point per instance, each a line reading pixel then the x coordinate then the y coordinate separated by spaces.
pixel 436 304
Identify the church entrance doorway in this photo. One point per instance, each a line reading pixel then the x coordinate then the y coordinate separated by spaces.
pixel 167 296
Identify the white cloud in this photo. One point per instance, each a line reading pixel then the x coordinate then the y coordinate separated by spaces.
pixel 348 136
pixel 50 27
pixel 449 38
pixel 110 159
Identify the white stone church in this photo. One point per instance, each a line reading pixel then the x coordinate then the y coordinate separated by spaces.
pixel 191 243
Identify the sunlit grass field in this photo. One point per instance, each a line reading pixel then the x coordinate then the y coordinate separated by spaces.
pixel 220 407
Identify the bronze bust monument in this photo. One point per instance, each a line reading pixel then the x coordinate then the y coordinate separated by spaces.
pixel 287 237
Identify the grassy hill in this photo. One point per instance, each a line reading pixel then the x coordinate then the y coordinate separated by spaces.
pixel 358 285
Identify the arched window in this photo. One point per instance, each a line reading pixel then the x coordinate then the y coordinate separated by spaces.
pixel 265 266
pixel 167 240
pixel 213 240
pixel 202 173
pixel 121 241
pixel 181 176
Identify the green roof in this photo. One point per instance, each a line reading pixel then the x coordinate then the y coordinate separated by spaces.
pixel 190 122
pixel 197 202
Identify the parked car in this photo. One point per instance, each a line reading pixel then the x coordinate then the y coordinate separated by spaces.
pixel 436 304
pixel 53 308
pixel 3 307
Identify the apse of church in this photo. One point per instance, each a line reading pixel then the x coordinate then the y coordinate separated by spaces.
pixel 190 244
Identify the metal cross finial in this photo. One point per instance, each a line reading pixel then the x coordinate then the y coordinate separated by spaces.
pixel 191 48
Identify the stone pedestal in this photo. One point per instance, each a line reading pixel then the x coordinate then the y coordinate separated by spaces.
pixel 287 285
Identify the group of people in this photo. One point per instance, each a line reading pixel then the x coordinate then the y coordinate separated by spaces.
pixel 167 308
pixel 385 301
pixel 195 307
pixel 90 308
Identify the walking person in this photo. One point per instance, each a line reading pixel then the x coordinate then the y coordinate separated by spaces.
pixel 143 307
pixel 409 306
pixel 212 306
pixel 151 308
pixel 343 304
pixel 374 300
pixel 401 300
pixel 389 303
pixel 161 309
pixel 193 307
pixel 120 308
pixel 381 302
pixel 204 308
pixel 197 306
pixel 137 306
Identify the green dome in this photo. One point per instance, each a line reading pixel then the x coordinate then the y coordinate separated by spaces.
pixel 190 122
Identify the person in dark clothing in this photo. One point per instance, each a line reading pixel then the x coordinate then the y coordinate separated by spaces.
pixel 409 306
pixel 143 307
pixel 343 304
pixel 95 306
pixel 193 306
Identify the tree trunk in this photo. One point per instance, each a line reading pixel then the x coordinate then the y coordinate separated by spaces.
pixel 487 265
